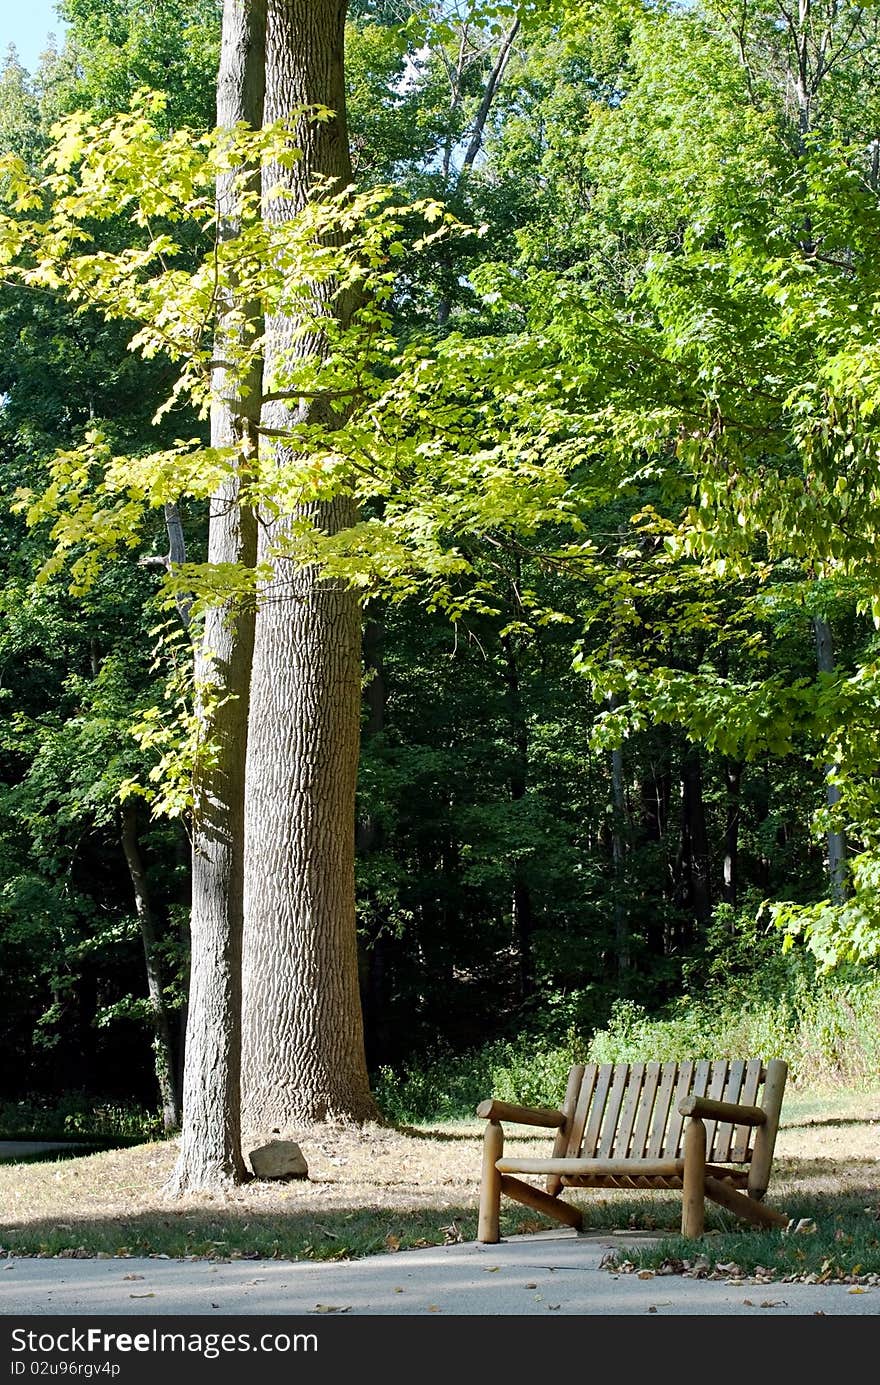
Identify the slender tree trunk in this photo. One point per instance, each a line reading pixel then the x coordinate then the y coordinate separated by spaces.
pixel 522 912
pixel 373 946
pixel 733 770
pixel 694 839
pixel 619 810
pixel 653 818
pixel 303 1043
pixel 476 140
pixel 618 857
pixel 162 1047
pixel 475 143
pixel 836 849
pixel 210 1153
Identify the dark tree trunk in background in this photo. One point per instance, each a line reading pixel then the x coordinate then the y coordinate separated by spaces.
pixel 522 913
pixel 694 853
pixel 210 1152
pixel 835 840
pixel 374 949
pixel 163 1049
pixel 619 836
pixel 733 771
pixel 302 1031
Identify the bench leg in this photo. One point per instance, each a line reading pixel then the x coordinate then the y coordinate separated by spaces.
pixel 542 1202
pixel 693 1210
pixel 490 1187
pixel 749 1208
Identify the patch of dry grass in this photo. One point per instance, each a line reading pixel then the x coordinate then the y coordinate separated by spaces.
pixel 375 1188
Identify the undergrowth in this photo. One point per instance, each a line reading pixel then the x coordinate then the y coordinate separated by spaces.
pixel 826 1029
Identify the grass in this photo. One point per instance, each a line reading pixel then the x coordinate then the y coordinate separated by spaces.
pixel 376 1188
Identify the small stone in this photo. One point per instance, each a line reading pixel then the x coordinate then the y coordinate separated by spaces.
pixel 279 1159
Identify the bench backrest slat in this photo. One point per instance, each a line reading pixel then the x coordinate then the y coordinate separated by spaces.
pixel 749 1097
pixel 611 1120
pixel 662 1103
pixel 675 1128
pixel 724 1130
pixel 584 1101
pixel 716 1092
pixel 646 1107
pixel 630 1110
pixel 569 1107
pixel 597 1110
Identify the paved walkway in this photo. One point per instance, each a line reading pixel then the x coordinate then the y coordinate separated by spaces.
pixel 17 1149
pixel 547 1274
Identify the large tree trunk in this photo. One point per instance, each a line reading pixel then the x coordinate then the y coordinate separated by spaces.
pixel 210 1153
pixel 163 1051
pixel 302 1032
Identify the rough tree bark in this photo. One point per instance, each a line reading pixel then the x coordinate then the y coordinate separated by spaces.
pixel 302 1032
pixel 210 1153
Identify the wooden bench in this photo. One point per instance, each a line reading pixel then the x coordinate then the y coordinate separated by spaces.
pixel 708 1128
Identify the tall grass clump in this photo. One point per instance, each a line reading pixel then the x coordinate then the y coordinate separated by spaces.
pixel 827 1028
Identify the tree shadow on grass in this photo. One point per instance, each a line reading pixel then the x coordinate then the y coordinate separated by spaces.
pixel 832 1122
pixel 243 1231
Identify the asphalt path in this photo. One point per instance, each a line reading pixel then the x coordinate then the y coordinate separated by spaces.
pixel 18 1149
pixel 548 1274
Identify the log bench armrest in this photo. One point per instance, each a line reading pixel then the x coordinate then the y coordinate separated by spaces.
pixel 699 1106
pixel 521 1115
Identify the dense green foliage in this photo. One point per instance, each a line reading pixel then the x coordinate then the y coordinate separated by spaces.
pixel 615 456
pixel 826 1033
